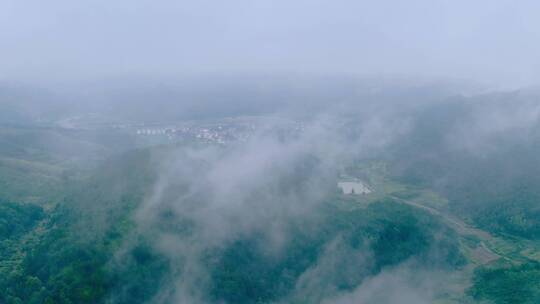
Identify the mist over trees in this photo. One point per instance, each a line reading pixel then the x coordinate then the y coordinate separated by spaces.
pixel 193 222
pixel 277 152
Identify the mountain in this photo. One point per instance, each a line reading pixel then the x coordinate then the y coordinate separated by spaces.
pixel 101 213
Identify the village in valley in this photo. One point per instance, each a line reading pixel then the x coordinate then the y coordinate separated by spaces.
pixel 220 131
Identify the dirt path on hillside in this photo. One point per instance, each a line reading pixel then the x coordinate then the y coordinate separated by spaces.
pixel 483 253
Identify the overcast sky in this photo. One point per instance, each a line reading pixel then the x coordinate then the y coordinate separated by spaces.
pixel 484 40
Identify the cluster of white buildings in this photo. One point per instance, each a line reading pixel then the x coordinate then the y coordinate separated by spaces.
pixel 215 132
pixel 355 187
pixel 218 134
pixel 152 131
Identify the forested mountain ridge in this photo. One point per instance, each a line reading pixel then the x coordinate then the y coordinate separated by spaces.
pixel 109 215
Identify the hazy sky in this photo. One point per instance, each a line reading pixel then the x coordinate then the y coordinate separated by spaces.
pixel 485 40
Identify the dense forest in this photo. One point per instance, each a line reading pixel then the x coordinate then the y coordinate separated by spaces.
pixel 107 216
pixel 269 152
